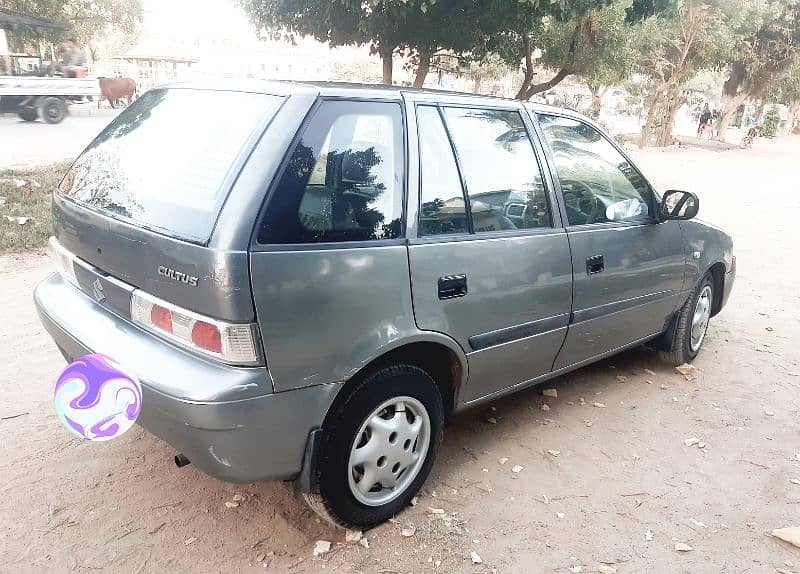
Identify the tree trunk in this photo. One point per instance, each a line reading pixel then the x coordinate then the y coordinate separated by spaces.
pixel 651 116
pixel 597 101
pixel 794 107
pixel 387 54
pixel 423 67
pixel 528 78
pixel 674 101
pixel 476 88
pixel 729 113
pixel 544 86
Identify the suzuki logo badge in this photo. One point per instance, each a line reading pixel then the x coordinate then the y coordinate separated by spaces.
pixel 97 289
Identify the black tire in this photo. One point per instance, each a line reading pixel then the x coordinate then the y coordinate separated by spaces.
pixel 28 114
pixel 52 110
pixel 335 501
pixel 681 350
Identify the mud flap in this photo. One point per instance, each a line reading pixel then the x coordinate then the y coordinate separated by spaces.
pixel 306 481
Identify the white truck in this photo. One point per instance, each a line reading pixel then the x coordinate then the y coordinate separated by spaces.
pixel 45 98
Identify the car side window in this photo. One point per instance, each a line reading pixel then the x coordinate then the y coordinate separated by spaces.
pixel 503 177
pixel 598 184
pixel 442 207
pixel 344 179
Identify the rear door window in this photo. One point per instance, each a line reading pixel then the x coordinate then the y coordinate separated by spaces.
pixel 344 179
pixel 443 210
pixel 501 171
pixel 165 162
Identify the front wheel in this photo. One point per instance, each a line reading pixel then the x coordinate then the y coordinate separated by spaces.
pixel 28 114
pixel 378 447
pixel 693 319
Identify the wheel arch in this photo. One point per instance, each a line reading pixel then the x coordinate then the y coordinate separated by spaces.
pixel 717 271
pixel 436 354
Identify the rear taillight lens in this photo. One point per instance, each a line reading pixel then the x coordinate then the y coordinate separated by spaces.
pixel 207 336
pixel 161 318
pixel 64 260
pixel 230 342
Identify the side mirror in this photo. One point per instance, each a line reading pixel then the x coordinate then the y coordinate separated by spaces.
pixel 679 205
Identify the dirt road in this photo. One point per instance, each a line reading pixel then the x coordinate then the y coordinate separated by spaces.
pixel 621 471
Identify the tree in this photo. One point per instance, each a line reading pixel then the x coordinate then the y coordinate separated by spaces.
pixel 87 19
pixel 766 36
pixel 787 91
pixel 672 47
pixel 605 58
pixel 419 28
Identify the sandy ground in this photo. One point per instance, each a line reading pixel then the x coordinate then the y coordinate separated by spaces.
pixel 122 506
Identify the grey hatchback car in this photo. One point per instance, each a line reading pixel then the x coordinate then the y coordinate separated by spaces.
pixel 309 279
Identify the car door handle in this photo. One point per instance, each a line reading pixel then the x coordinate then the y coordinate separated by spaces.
pixel 595 264
pixel 452 286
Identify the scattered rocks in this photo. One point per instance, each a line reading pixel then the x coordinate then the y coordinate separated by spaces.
pixel 560 515
pixel 476 559
pixel 491 421
pixel 353 536
pixel 364 542
pixel 648 535
pixel 517 469
pixel 322 547
pixel 193 539
pixel 604 569
pixel 408 531
pixel 554 452
pixel 794 480
pixel 649 373
pixel 552 393
pixel 434 511
pixel 769 413
pixel 681 547
pixel 502 459
pixel 697 523
pixel 790 535
pixel 693 440
pixel 599 405
pixel 545 407
pixel 685 369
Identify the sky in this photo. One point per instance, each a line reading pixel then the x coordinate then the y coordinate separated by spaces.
pixel 221 16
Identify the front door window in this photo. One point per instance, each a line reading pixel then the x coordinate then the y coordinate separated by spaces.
pixel 598 184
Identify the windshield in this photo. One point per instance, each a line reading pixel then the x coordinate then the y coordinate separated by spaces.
pixel 164 162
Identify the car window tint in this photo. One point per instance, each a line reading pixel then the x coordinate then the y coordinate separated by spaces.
pixel 599 185
pixel 503 177
pixel 442 206
pixel 344 179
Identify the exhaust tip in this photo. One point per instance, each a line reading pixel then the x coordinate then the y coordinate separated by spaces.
pixel 181 460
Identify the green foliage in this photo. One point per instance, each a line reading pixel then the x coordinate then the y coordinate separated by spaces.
pixel 87 19
pixel 772 120
pixel 787 89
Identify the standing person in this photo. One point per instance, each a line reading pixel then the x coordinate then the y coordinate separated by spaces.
pixel 705 119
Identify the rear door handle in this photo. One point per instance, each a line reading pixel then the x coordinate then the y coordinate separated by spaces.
pixel 595 264
pixel 452 286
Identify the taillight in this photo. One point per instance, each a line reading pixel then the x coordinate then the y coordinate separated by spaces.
pixel 161 318
pixel 64 260
pixel 230 342
pixel 207 336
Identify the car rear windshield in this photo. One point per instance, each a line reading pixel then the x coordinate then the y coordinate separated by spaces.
pixel 165 163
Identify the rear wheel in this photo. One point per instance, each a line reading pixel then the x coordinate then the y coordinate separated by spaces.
pixel 52 110
pixel 28 114
pixel 693 319
pixel 379 444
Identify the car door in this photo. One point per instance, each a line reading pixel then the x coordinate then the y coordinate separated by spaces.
pixel 628 265
pixel 490 264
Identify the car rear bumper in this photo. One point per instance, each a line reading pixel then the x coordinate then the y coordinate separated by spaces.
pixel 222 418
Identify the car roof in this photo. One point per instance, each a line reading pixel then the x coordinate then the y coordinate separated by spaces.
pixel 345 89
